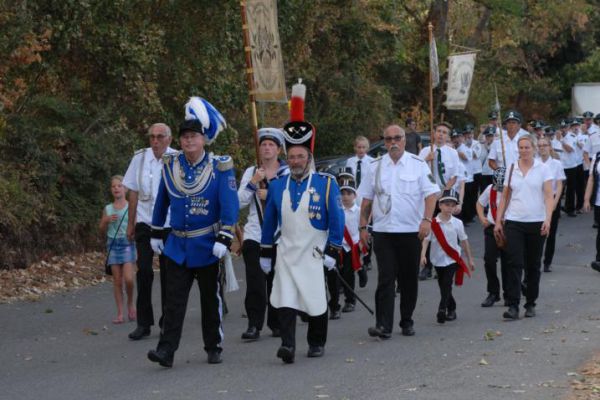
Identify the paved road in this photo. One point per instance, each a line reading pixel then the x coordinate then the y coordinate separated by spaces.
pixel 64 346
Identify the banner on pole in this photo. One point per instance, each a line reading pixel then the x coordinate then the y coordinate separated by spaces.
pixel 460 76
pixel 265 50
pixel 433 64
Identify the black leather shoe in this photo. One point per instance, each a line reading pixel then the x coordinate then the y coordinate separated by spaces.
pixel 529 311
pixel 451 315
pixel 139 333
pixel 379 332
pixel 511 313
pixel 596 265
pixel 547 268
pixel 348 307
pixel 490 300
pixel 162 357
pixel 214 357
pixel 315 351
pixel 251 334
pixel 275 332
pixel 441 316
pixel 286 354
pixel 362 277
pixel 408 331
pixel 335 314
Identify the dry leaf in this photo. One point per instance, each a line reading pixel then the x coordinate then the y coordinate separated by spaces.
pixel 483 362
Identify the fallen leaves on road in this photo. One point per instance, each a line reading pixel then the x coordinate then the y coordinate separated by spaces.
pixel 587 383
pixel 491 335
pixel 483 362
pixel 58 274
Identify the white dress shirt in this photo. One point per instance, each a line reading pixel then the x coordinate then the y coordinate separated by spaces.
pixel 399 195
pixel 453 230
pixel 449 159
pixel 485 165
pixel 527 193
pixel 485 199
pixel 557 170
pixel 468 152
pixel 365 163
pixel 569 159
pixel 475 164
pixel 145 179
pixel 511 149
pixel 593 144
pixel 352 220
pixel 582 144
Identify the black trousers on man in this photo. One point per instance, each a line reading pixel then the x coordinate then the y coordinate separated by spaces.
pixel 333 287
pixel 570 185
pixel 480 186
pixel 398 256
pixel 317 328
pixel 579 186
pixel 178 284
pixel 445 277
pixel 551 239
pixel 145 276
pixel 258 288
pixel 468 206
pixel 490 260
pixel 486 180
pixel 523 255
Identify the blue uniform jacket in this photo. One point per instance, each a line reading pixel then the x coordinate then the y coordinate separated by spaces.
pixel 215 202
pixel 325 208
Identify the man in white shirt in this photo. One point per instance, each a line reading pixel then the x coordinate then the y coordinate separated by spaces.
pixel 466 156
pixel 505 151
pixel 401 195
pixel 570 161
pixel 487 172
pixel 142 179
pixel 443 160
pixel 593 143
pixel 253 193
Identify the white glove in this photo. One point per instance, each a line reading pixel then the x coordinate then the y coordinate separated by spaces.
pixel 265 264
pixel 219 250
pixel 157 245
pixel 329 262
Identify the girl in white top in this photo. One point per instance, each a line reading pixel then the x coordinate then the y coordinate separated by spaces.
pixel 558 176
pixel 524 218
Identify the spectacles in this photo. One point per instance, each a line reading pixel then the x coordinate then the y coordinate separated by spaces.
pixel 390 139
pixel 299 157
pixel 157 137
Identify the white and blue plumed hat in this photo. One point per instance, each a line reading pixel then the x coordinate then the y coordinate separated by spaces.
pixel 204 118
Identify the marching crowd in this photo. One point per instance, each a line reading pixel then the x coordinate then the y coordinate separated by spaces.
pixel 308 234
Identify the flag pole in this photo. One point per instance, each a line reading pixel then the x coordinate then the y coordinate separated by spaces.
pixel 250 78
pixel 498 121
pixel 430 27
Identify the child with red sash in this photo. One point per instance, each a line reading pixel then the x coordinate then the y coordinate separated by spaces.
pixel 490 199
pixel 447 237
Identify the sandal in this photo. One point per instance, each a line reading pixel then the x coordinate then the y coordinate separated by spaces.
pixel 118 320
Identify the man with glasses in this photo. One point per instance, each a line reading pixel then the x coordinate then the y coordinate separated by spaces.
pixel 142 179
pixel 401 194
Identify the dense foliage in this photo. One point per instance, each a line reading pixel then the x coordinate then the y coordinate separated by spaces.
pixel 80 82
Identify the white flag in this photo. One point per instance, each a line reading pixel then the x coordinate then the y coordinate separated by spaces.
pixel 460 76
pixel 433 64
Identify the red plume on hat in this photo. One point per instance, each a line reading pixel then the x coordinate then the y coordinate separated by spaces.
pixel 298 132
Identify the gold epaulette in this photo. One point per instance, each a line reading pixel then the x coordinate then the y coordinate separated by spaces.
pixel 224 163
pixel 167 157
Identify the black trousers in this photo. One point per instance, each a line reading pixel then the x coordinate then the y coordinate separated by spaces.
pixel 579 186
pixel 597 220
pixel 468 207
pixel 486 180
pixel 317 328
pixel 179 282
pixel 349 276
pixel 258 288
pixel 490 259
pixel 445 277
pixel 551 239
pixel 479 184
pixel 333 287
pixel 145 276
pixel 570 184
pixel 523 255
pixel 397 256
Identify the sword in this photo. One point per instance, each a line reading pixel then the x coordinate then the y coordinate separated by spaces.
pixel 318 253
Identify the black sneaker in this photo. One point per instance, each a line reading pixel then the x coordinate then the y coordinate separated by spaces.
pixel 511 313
pixel 315 351
pixel 139 333
pixel 451 315
pixel 162 357
pixel 379 332
pixel 214 357
pixel 490 300
pixel 252 333
pixel 286 354
pixel 529 311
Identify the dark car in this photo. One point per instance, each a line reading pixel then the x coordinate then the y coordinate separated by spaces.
pixel 333 164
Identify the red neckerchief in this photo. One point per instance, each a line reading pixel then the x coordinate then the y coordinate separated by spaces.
pixel 354 250
pixel 493 205
pixel 453 254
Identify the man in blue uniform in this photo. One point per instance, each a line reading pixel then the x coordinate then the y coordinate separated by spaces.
pixel 306 207
pixel 201 191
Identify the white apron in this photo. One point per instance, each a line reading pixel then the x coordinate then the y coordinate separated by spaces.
pixel 299 281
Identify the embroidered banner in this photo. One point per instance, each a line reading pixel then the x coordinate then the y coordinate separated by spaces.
pixel 460 76
pixel 265 47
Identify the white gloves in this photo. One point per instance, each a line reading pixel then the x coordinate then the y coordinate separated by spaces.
pixel 219 250
pixel 265 264
pixel 157 245
pixel 329 262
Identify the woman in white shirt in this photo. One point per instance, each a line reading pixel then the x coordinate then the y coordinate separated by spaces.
pixel 524 217
pixel 558 177
pixel 592 197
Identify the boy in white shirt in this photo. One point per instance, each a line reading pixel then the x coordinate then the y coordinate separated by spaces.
pixel 447 237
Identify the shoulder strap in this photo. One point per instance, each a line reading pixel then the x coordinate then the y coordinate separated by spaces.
pixel 116 233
